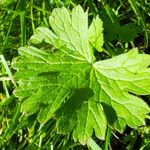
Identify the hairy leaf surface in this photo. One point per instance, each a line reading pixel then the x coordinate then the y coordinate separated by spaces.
pixel 83 95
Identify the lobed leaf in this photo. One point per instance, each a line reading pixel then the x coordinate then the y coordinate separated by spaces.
pixel 82 95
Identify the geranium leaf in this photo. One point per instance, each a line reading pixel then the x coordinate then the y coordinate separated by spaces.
pixel 82 95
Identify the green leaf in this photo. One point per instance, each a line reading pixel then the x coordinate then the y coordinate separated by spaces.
pixel 93 145
pixel 110 22
pixel 128 32
pixel 82 95
pixel 72 32
pixel 95 34
pixel 113 30
pixel 42 34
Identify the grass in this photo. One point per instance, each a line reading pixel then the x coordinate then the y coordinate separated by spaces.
pixel 18 20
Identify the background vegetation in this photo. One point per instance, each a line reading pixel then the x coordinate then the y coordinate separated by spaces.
pixel 126 25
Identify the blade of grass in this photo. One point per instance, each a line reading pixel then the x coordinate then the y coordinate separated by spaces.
pixel 6 89
pixel 38 8
pixel 32 17
pixel 8 71
pixel 22 8
pixel 141 20
pixel 7 101
pixel 15 14
pixel 108 137
pixel 5 78
pixel 44 13
pixel 13 127
pixel 23 28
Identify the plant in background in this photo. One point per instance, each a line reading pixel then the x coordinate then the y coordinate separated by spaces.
pixel 83 95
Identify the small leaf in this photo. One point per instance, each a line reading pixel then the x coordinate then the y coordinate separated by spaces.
pixel 93 145
pixel 110 22
pixel 128 32
pixel 95 34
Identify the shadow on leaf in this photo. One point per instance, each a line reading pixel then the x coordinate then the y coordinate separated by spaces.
pixel 110 113
pixel 67 114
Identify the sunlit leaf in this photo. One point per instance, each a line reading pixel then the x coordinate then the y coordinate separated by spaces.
pixel 68 85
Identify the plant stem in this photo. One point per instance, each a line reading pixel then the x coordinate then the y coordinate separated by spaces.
pixel 108 137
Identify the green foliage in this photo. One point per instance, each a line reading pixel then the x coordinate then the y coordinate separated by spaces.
pixel 82 94
pixel 145 132
pixel 93 145
pixel 95 34
pixel 114 30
